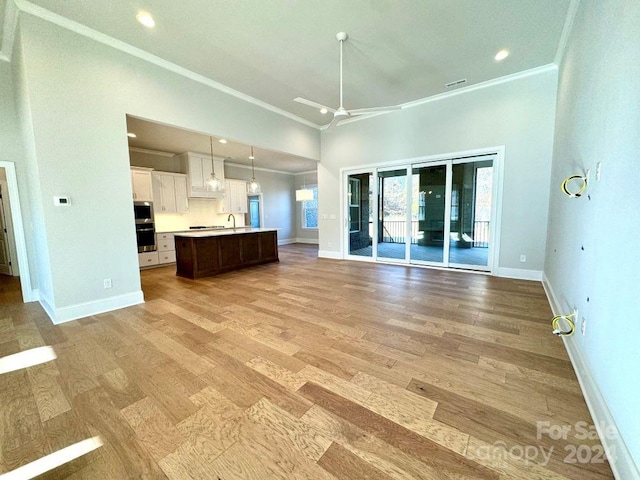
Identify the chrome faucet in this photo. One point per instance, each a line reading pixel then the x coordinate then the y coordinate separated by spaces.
pixel 234 220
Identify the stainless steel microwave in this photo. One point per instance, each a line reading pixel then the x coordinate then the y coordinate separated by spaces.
pixel 143 212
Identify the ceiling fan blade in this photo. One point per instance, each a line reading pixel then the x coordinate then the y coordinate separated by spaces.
pixel 364 111
pixel 310 103
pixel 333 123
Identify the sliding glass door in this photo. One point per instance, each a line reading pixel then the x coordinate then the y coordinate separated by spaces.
pixel 392 238
pixel 359 214
pixel 470 218
pixel 433 213
pixel 429 204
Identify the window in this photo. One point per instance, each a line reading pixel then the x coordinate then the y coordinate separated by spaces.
pixel 310 209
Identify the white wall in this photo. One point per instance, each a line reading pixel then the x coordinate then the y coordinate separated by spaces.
pixel 10 148
pixel 306 235
pixel 277 198
pixel 518 114
pixel 598 120
pixel 74 95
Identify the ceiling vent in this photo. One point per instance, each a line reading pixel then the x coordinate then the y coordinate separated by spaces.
pixel 456 83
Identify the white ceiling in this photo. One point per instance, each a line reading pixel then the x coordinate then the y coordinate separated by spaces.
pixel 164 138
pixel 398 51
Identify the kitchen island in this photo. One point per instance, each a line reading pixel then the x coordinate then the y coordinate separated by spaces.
pixel 207 253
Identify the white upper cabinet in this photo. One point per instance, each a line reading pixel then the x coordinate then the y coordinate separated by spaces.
pixel 141 184
pixel 170 192
pixel 235 197
pixel 199 168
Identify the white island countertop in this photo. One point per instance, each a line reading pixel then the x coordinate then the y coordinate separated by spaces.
pixel 223 231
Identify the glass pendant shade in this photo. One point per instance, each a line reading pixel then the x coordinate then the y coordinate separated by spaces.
pixel 304 195
pixel 253 186
pixel 214 182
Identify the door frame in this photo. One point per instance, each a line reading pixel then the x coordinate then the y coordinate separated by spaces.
pixel 260 205
pixel 28 294
pixel 495 229
pixel 5 213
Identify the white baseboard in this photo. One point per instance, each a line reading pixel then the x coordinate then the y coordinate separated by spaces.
pixel 32 295
pixel 620 459
pixel 329 254
pixel 519 273
pixel 310 241
pixel 286 241
pixel 47 305
pixel 80 310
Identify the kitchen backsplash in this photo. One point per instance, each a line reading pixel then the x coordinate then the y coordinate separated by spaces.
pixel 201 212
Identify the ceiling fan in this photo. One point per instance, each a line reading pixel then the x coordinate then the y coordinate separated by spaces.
pixel 342 113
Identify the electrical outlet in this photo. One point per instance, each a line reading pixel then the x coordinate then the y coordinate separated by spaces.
pixel 107 283
pixel 523 258
pixel 583 325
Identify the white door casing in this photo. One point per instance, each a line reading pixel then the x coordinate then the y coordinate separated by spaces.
pixel 5 231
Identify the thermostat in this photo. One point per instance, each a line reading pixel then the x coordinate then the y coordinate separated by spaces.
pixel 61 201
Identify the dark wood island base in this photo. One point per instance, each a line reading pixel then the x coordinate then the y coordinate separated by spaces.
pixel 205 254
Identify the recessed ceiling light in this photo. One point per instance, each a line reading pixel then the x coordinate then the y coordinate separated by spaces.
pixel 501 55
pixel 222 140
pixel 323 111
pixel 145 19
pixel 131 135
pixel 251 157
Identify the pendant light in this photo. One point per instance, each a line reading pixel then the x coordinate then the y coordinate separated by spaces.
pixel 214 182
pixel 304 194
pixel 253 187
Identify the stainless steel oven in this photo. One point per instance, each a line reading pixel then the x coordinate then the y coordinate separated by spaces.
pixel 145 227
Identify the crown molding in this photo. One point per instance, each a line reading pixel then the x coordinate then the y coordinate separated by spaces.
pixel 308 172
pixel 261 169
pixel 151 152
pixel 49 16
pixel 471 88
pixel 9 30
pixel 566 30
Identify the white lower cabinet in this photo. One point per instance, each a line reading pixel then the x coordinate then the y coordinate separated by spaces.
pixel 148 259
pixel 166 248
pixel 166 257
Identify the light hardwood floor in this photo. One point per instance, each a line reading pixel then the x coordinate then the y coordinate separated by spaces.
pixel 310 368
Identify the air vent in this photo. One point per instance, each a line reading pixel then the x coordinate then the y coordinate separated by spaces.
pixel 456 83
